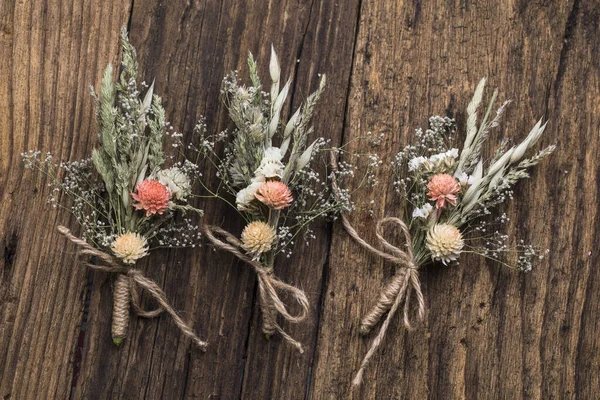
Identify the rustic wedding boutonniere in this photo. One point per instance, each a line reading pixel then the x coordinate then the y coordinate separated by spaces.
pixel 267 168
pixel 445 193
pixel 123 197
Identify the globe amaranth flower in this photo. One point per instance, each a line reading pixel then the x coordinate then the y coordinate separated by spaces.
pixel 176 181
pixel 443 189
pixel 445 243
pixel 151 196
pixel 275 195
pixel 130 247
pixel 257 238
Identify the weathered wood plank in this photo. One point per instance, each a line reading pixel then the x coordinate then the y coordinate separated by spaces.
pixel 48 56
pixel 274 370
pixel 489 332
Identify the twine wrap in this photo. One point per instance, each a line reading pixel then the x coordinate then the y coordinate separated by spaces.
pixel 126 290
pixel 397 291
pixel 268 285
pixel 120 317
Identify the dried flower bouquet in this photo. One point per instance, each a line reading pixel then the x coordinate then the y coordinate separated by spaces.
pixel 123 197
pixel 276 190
pixel 446 193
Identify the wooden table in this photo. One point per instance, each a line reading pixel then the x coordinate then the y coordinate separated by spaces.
pixel 489 332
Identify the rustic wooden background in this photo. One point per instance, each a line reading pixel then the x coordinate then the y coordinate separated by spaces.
pixel 488 333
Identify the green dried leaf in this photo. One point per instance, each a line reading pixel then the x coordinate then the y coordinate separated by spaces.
pixel 157 126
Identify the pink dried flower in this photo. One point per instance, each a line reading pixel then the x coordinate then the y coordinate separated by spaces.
pixel 443 188
pixel 275 195
pixel 151 196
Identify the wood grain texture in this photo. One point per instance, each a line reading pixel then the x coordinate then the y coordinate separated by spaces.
pixel 488 333
pixel 48 57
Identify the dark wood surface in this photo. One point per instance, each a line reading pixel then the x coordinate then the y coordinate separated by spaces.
pixel 488 332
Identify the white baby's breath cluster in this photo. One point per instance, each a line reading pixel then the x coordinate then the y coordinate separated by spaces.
pixel 123 196
pixel 448 192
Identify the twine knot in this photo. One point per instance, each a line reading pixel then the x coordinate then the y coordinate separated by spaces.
pixel 268 287
pixel 405 280
pixel 128 279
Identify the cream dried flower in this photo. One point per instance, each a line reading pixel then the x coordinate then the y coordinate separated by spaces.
pixel 271 165
pixel 257 238
pixel 246 196
pixel 176 181
pixel 130 247
pixel 445 243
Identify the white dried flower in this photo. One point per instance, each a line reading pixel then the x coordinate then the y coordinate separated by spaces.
pixel 176 181
pixel 271 170
pixel 245 196
pixel 416 163
pixel 442 161
pixel 451 154
pixel 445 243
pixel 272 154
pixel 466 180
pixel 270 165
pixel 422 212
pixel 130 247
pixel 257 238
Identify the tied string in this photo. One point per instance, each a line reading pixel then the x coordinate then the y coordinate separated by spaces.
pixel 134 277
pixel 398 290
pixel 268 285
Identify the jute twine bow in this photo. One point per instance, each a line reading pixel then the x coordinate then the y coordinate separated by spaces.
pixel 268 285
pixel 125 286
pixel 397 291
